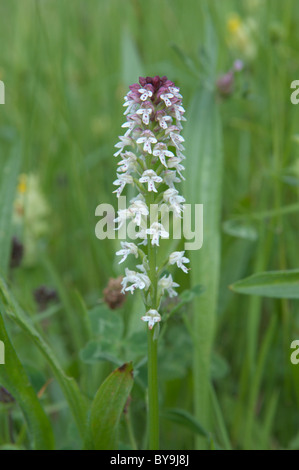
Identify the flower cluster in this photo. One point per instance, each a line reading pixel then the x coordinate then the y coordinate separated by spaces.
pixel 151 160
pixel 30 216
pixel 241 36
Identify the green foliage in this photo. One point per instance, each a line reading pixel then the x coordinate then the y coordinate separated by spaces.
pixel 14 378
pixel 108 406
pixel 224 358
pixel 277 284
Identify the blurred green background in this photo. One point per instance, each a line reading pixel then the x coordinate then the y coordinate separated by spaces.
pixel 225 358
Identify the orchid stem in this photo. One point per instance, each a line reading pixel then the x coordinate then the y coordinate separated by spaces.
pixel 153 404
pixel 153 400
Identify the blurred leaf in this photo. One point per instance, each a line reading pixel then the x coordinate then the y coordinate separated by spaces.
pixel 294 444
pixel 284 210
pixel 204 165
pixel 36 376
pixel 108 406
pixel 219 367
pixel 175 356
pixel 7 196
pixel 14 378
pixel 234 263
pixel 184 418
pixel 131 63
pixel 106 324
pixel 94 352
pixel 11 447
pixel 291 180
pixel 107 328
pixel 238 229
pixel 277 284
pixel 136 345
pixel 185 297
pixel 68 385
pixel 187 61
pixel 190 294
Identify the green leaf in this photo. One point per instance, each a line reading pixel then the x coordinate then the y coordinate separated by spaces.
pixel 184 418
pixel 107 324
pixel 68 385
pixel 132 66
pixel 136 345
pixel 94 352
pixel 108 406
pixel 14 378
pixel 238 229
pixel 219 367
pixel 276 284
pixel 204 166
pixel 107 328
pixel 10 447
pixel 7 196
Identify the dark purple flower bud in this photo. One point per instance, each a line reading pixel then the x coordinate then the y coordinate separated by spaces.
pixel 43 296
pixel 17 252
pixel 225 84
pixel 238 65
pixel 113 295
pixel 5 396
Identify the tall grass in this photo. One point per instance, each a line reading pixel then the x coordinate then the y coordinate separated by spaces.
pixel 225 377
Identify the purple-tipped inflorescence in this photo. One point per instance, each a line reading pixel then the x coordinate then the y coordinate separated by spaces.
pixel 151 152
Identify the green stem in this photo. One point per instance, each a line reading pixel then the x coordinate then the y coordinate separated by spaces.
pixel 153 404
pixel 131 431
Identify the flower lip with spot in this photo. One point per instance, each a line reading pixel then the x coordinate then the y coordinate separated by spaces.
pixel 175 201
pixel 145 93
pixel 130 126
pixel 121 182
pixel 178 258
pixel 175 137
pixel 170 177
pixel 163 118
pixel 157 230
pixel 124 141
pixel 137 280
pixel 150 177
pixel 175 162
pixel 127 249
pixel 161 151
pixel 175 92
pixel 128 162
pixel 145 112
pixel 147 138
pixel 136 210
pixel 166 97
pixel 178 112
pixel 152 316
pixel 167 283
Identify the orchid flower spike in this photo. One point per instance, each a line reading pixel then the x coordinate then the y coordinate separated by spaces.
pixel 151 154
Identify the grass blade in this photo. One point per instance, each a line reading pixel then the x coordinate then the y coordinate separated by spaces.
pixel 277 284
pixel 7 195
pixel 68 385
pixel 14 378
pixel 204 175
pixel 184 418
